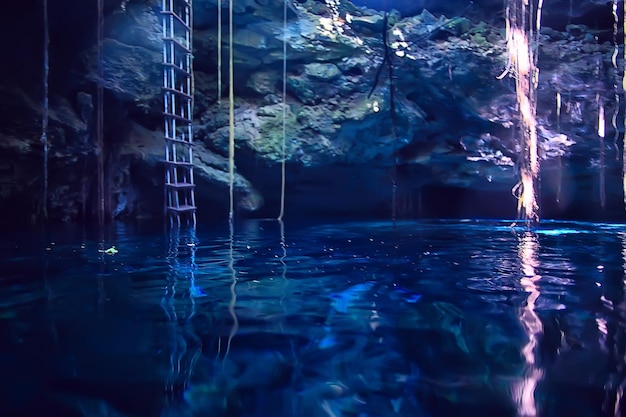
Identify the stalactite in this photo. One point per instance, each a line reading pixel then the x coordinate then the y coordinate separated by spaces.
pixel 522 44
pixel 46 107
pixel 284 142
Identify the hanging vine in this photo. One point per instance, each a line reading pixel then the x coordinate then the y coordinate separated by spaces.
pixel 522 34
pixel 231 114
pixel 46 106
pixel 387 62
pixel 284 109
pixel 219 52
pixel 100 118
pixel 231 168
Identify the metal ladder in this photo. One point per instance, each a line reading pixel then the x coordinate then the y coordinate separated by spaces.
pixel 180 205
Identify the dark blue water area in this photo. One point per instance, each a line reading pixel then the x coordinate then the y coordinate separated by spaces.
pixel 428 318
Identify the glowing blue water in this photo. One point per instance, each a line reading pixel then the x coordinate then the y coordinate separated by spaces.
pixel 437 318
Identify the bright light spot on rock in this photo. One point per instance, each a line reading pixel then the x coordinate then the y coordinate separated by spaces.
pixel 601 122
pixel 398 45
pixel 326 23
pixel 375 107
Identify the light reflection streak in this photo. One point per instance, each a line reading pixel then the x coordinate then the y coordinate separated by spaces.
pixel 618 407
pixel 524 390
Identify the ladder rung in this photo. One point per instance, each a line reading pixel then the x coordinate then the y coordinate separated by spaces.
pixel 179 163
pixel 177 117
pixel 182 208
pixel 177 68
pixel 177 43
pixel 178 93
pixel 176 140
pixel 179 185
pixel 177 18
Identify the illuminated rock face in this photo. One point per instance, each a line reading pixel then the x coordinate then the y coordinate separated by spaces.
pixel 456 136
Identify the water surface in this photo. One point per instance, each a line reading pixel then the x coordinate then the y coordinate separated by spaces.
pixel 431 318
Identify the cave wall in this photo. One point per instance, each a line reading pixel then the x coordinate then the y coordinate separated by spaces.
pixel 456 142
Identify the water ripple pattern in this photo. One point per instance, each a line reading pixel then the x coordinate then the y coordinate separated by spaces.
pixel 431 318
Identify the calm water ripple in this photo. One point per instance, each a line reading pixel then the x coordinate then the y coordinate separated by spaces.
pixel 436 318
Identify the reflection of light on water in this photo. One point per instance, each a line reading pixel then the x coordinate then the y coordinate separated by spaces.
pixel 619 394
pixel 622 236
pixel 602 326
pixel 524 391
pixel 557 232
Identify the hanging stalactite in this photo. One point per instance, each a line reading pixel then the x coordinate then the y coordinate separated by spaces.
pixel 46 106
pixel 523 24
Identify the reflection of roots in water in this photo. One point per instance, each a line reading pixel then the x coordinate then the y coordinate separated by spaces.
pixel 524 391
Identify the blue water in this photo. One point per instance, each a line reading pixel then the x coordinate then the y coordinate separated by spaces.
pixel 433 318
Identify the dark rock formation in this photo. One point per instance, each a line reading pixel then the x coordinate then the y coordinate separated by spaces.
pixel 455 140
